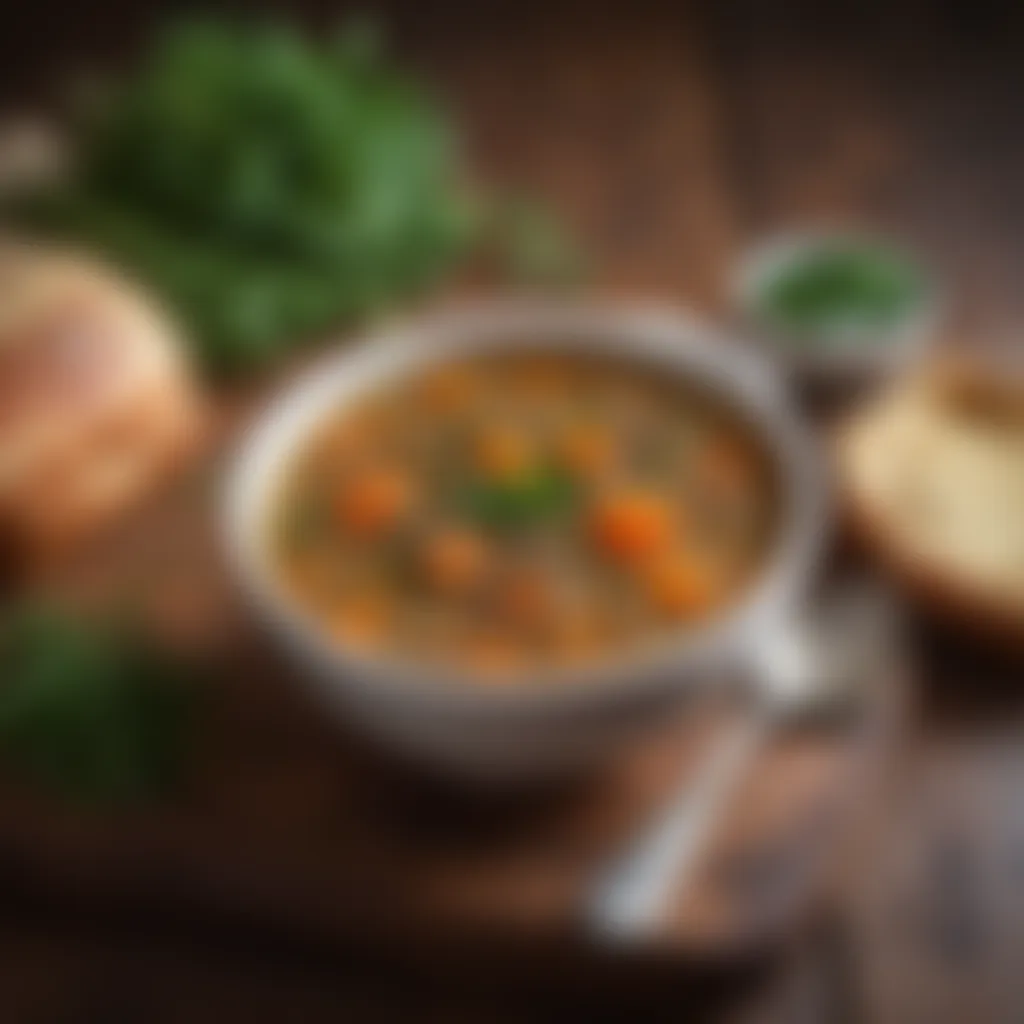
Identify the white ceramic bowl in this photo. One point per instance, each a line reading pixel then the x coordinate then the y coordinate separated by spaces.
pixel 532 728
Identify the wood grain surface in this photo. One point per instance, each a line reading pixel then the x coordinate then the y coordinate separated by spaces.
pixel 343 843
pixel 672 135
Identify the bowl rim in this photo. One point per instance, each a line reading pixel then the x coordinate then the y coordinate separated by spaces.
pixel 643 333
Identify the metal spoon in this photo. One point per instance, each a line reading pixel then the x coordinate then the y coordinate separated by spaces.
pixel 816 668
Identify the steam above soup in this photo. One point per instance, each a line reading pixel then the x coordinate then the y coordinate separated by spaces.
pixel 519 513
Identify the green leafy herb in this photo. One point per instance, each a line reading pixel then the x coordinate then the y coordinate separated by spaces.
pixel 518 504
pixel 839 289
pixel 266 186
pixel 89 711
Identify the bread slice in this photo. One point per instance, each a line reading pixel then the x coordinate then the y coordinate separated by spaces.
pixel 932 482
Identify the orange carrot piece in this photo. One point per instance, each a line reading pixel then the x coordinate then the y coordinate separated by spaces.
pixel 374 501
pixel 632 526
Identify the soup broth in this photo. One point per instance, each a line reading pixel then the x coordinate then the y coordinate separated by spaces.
pixel 520 513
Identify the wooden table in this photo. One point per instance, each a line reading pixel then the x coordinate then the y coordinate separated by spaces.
pixel 672 135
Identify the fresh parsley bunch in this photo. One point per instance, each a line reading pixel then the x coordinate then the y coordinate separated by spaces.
pixel 266 186
pixel 90 711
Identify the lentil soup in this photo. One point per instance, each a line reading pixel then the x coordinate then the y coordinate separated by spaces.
pixel 513 514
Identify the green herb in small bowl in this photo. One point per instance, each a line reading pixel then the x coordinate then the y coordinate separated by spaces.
pixel 837 304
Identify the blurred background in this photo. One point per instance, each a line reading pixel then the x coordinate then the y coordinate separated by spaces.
pixel 673 133
pixel 664 139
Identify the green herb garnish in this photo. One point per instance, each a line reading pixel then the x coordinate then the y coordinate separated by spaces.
pixel 838 290
pixel 91 712
pixel 520 503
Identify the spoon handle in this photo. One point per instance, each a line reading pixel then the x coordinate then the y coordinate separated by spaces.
pixel 630 899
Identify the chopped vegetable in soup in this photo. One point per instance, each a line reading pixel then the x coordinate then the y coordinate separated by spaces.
pixel 516 513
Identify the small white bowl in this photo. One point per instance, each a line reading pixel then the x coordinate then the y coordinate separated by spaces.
pixel 571 718
pixel 857 357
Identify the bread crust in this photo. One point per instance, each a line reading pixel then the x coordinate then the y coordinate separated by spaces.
pixel 944 593
pixel 97 403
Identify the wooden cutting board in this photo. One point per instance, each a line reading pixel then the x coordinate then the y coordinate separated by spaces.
pixel 288 825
